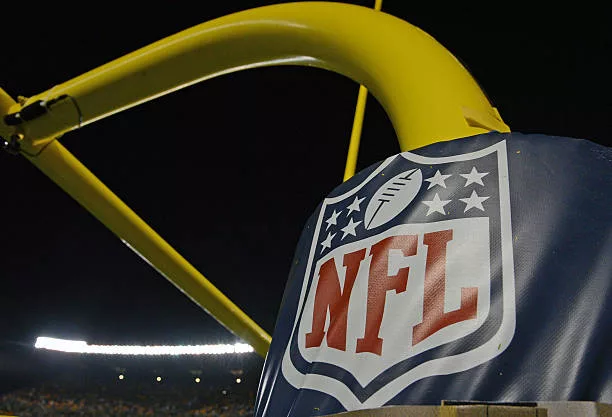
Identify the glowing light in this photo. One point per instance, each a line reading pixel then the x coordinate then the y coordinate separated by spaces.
pixel 80 346
pixel 121 376
pixel 238 380
pixel 158 379
pixel 197 380
pixel 224 392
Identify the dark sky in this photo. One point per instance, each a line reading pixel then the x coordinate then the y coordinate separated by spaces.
pixel 229 170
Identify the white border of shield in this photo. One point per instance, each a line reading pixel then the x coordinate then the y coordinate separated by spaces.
pixel 442 366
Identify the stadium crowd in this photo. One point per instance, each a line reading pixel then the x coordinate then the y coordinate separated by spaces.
pixel 54 401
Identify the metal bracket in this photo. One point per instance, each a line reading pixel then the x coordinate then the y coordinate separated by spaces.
pixel 36 109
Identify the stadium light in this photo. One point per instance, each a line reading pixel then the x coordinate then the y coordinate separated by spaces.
pixel 80 346
pixel 238 380
pixel 121 377
pixel 158 379
pixel 197 380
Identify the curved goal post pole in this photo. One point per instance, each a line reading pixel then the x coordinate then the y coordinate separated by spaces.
pixel 428 95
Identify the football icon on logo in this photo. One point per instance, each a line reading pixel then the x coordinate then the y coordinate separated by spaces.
pixel 393 197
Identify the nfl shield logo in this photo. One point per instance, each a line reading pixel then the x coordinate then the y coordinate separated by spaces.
pixel 410 275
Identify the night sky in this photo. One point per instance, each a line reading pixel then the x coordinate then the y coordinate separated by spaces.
pixel 228 171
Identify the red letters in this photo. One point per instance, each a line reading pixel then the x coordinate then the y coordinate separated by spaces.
pixel 379 283
pixel 434 317
pixel 329 296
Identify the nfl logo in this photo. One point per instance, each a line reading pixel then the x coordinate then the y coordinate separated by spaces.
pixel 410 275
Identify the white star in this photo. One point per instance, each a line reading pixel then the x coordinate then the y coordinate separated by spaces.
pixel 438 179
pixel 474 177
pixel 327 242
pixel 473 202
pixel 349 229
pixel 354 206
pixel 436 205
pixel 332 219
